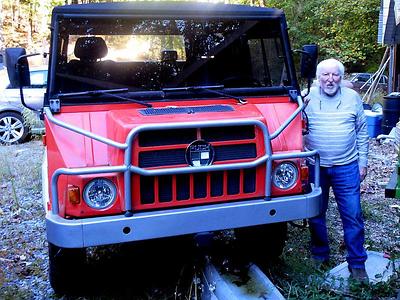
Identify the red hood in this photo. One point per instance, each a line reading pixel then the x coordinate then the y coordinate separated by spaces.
pixel 116 121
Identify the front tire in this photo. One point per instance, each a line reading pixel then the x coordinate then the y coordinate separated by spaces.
pixel 263 243
pixel 66 269
pixel 12 128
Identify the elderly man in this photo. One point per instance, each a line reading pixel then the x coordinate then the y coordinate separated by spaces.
pixel 337 129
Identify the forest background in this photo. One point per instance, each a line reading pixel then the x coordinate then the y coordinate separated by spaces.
pixel 344 29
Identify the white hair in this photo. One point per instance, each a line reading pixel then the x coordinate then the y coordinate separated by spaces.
pixel 326 62
pixel 330 61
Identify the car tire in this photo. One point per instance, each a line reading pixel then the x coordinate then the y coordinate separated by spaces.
pixel 67 269
pixel 12 128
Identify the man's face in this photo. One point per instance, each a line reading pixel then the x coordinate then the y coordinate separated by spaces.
pixel 330 79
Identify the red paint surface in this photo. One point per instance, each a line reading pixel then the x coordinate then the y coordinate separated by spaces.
pixel 66 149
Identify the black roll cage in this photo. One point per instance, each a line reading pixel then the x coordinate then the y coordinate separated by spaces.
pixel 141 10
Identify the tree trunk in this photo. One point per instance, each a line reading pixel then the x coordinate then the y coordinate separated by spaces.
pixel 16 13
pixel 1 26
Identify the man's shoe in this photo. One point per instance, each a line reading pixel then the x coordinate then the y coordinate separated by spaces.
pixel 359 275
pixel 320 264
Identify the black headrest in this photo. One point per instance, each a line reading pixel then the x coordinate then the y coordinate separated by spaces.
pixel 169 56
pixel 90 48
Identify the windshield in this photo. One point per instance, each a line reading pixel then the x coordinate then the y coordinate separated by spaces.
pixel 153 54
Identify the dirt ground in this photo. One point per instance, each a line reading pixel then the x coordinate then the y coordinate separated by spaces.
pixel 23 246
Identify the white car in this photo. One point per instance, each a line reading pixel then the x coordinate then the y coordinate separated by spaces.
pixel 13 128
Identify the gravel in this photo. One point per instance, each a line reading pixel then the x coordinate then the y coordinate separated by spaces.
pixel 23 247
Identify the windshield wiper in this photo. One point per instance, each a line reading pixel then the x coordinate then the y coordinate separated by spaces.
pixel 213 89
pixel 109 93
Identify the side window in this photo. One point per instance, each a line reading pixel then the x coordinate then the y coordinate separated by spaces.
pixel 38 78
pixel 363 77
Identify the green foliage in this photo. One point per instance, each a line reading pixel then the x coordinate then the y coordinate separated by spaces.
pixel 24 23
pixel 31 119
pixel 346 30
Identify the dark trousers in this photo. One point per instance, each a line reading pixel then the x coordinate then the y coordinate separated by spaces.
pixel 345 182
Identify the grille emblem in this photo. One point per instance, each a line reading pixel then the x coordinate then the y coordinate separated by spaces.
pixel 199 153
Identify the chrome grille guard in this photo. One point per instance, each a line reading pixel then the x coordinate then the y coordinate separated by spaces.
pixel 127 168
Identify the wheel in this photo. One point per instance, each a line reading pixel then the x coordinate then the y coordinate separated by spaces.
pixel 12 128
pixel 66 269
pixel 263 243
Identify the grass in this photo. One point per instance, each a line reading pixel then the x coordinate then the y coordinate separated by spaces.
pixel 14 292
pixel 295 275
pixel 370 213
pixel 297 278
pixel 7 176
pixel 312 286
pixel 31 119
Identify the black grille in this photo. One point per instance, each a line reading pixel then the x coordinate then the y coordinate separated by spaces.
pixel 230 143
pixel 233 180
pixel 165 188
pixel 167 137
pixel 214 134
pixel 182 187
pixel 217 184
pixel 188 135
pixel 249 180
pixel 200 185
pixel 147 189
pixel 173 157
pixel 162 158
pixel 232 152
pixel 185 110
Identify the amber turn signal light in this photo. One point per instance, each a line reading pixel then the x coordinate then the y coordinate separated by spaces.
pixel 304 173
pixel 74 194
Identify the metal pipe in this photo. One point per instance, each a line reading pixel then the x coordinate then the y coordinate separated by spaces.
pixel 317 171
pixel 128 168
pixel 76 129
pixel 289 120
pixel 76 171
pixel 186 170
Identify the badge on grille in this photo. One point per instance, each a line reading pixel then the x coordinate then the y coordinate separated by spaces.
pixel 199 153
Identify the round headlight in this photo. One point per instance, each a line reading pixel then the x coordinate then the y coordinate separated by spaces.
pixel 100 193
pixel 285 175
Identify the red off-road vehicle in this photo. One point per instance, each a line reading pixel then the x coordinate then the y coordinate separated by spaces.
pixel 167 119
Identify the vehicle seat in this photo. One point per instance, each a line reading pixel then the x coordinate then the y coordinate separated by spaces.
pixel 169 67
pixel 90 50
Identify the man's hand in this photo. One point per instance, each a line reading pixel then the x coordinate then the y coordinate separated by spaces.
pixel 363 173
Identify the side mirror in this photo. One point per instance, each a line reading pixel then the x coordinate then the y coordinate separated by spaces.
pixel 309 57
pixel 18 75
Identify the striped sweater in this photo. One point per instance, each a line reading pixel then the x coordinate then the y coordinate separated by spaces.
pixel 337 127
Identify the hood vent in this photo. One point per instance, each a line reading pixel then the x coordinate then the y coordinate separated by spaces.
pixel 185 110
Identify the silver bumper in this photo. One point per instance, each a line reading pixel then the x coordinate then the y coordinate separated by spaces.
pixel 172 222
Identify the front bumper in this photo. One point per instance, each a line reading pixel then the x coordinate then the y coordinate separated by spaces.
pixel 172 222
